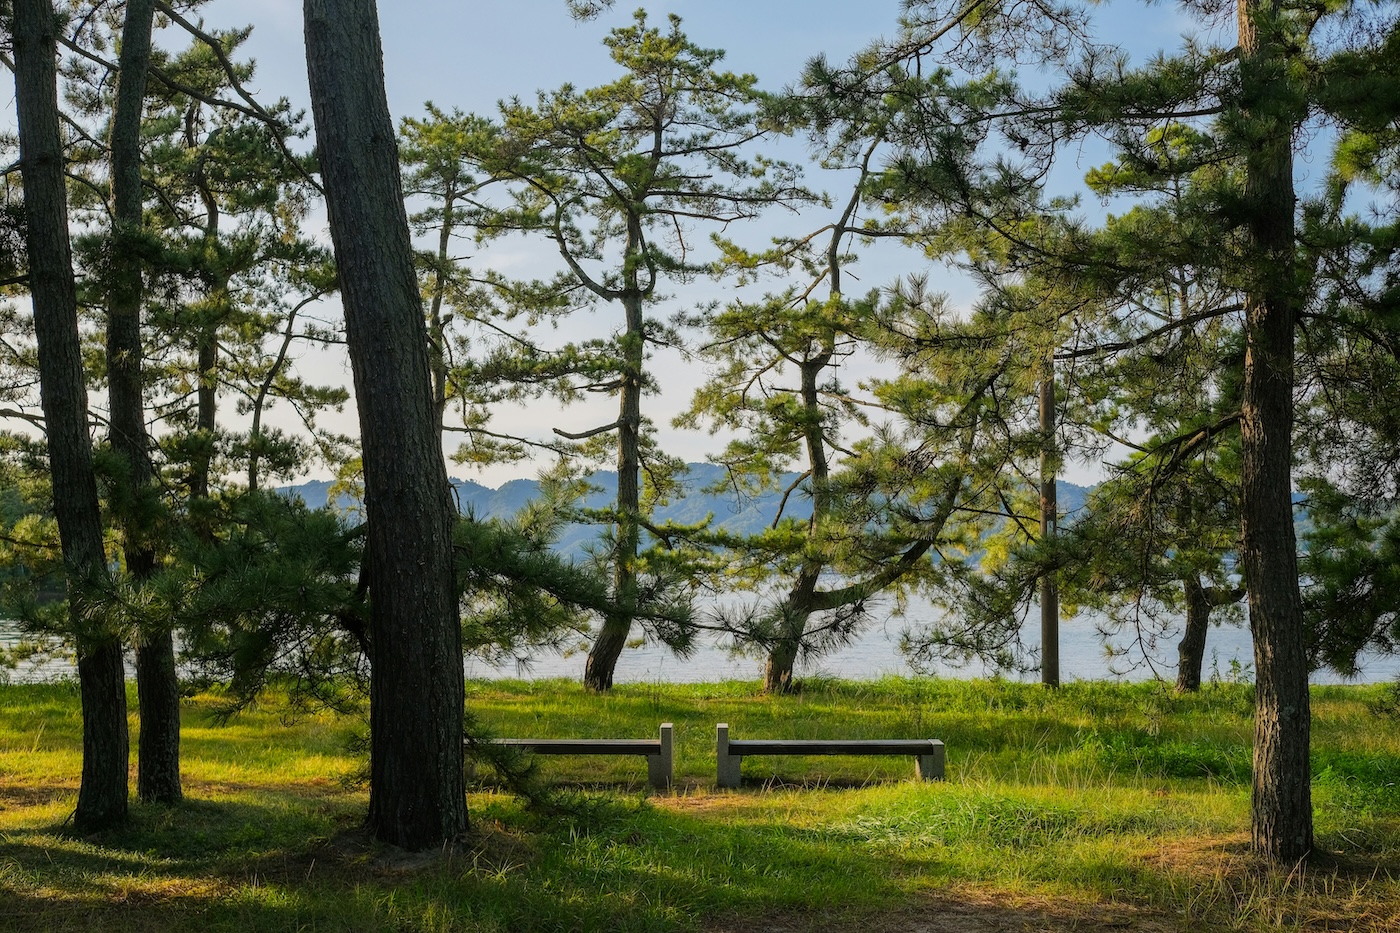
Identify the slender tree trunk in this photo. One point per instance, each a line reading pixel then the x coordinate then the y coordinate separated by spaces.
pixel 102 796
pixel 207 411
pixel 617 624
pixel 1201 601
pixel 797 609
pixel 437 335
pixel 1049 522
pixel 417 783
pixel 1282 801
pixel 157 687
pixel 782 659
pixel 607 648
pixel 1191 651
pixel 158 694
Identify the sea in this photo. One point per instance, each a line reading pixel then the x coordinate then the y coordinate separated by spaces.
pixel 1085 654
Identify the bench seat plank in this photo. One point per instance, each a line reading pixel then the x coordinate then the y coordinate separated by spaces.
pixel 831 746
pixel 659 751
pixel 585 746
pixel 928 753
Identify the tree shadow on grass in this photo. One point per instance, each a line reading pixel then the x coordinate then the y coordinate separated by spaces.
pixel 187 838
pixel 271 862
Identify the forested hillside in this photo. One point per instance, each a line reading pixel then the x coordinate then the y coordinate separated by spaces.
pixel 730 512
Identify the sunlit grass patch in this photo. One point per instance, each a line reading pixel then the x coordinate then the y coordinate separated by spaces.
pixel 1095 803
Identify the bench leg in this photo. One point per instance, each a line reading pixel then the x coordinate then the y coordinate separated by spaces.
pixel 660 766
pixel 930 767
pixel 728 765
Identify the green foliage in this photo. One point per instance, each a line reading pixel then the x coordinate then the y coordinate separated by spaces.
pixel 614 176
pixel 275 595
pixel 1351 565
pixel 518 596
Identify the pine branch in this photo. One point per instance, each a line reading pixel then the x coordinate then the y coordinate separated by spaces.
pixel 587 434
pixel 1104 349
pixel 253 108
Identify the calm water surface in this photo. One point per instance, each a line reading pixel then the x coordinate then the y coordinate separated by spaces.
pixel 1083 656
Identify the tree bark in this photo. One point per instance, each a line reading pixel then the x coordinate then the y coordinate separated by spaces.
pixel 1201 601
pixel 1049 524
pixel 617 624
pixel 206 412
pixel 102 796
pixel 157 686
pixel 1282 827
pixel 1191 650
pixel 437 329
pixel 782 661
pixel 158 697
pixel 417 789
pixel 797 609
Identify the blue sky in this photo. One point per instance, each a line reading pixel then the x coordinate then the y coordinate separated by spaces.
pixel 468 55
pixel 471 54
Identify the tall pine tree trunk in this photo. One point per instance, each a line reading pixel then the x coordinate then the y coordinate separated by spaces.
pixel 157 687
pixel 1049 526
pixel 417 783
pixel 102 796
pixel 797 609
pixel 617 624
pixel 1282 825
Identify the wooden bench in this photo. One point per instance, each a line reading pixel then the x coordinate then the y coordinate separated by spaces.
pixel 928 753
pixel 658 751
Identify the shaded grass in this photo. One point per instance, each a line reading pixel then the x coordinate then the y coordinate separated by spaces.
pixel 1097 806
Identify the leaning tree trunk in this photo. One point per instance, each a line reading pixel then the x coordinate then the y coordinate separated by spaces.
pixel 417 783
pixel 797 608
pixel 1282 825
pixel 1191 650
pixel 617 623
pixel 157 687
pixel 102 795
pixel 1201 601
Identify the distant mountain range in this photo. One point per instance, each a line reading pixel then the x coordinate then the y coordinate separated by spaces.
pixel 730 513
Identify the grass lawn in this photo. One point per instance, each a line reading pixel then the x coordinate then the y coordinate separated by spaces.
pixel 1096 807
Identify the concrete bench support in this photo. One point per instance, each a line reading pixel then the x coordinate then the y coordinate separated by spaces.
pixel 659 752
pixel 929 754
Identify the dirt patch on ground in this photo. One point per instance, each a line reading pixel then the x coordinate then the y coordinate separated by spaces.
pixel 964 913
pixel 37 796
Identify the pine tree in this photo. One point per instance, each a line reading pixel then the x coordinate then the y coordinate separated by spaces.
pixel 417 790
pixel 1154 363
pixel 1251 100
pixel 613 176
pixel 157 686
pixel 102 795
pixel 871 527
